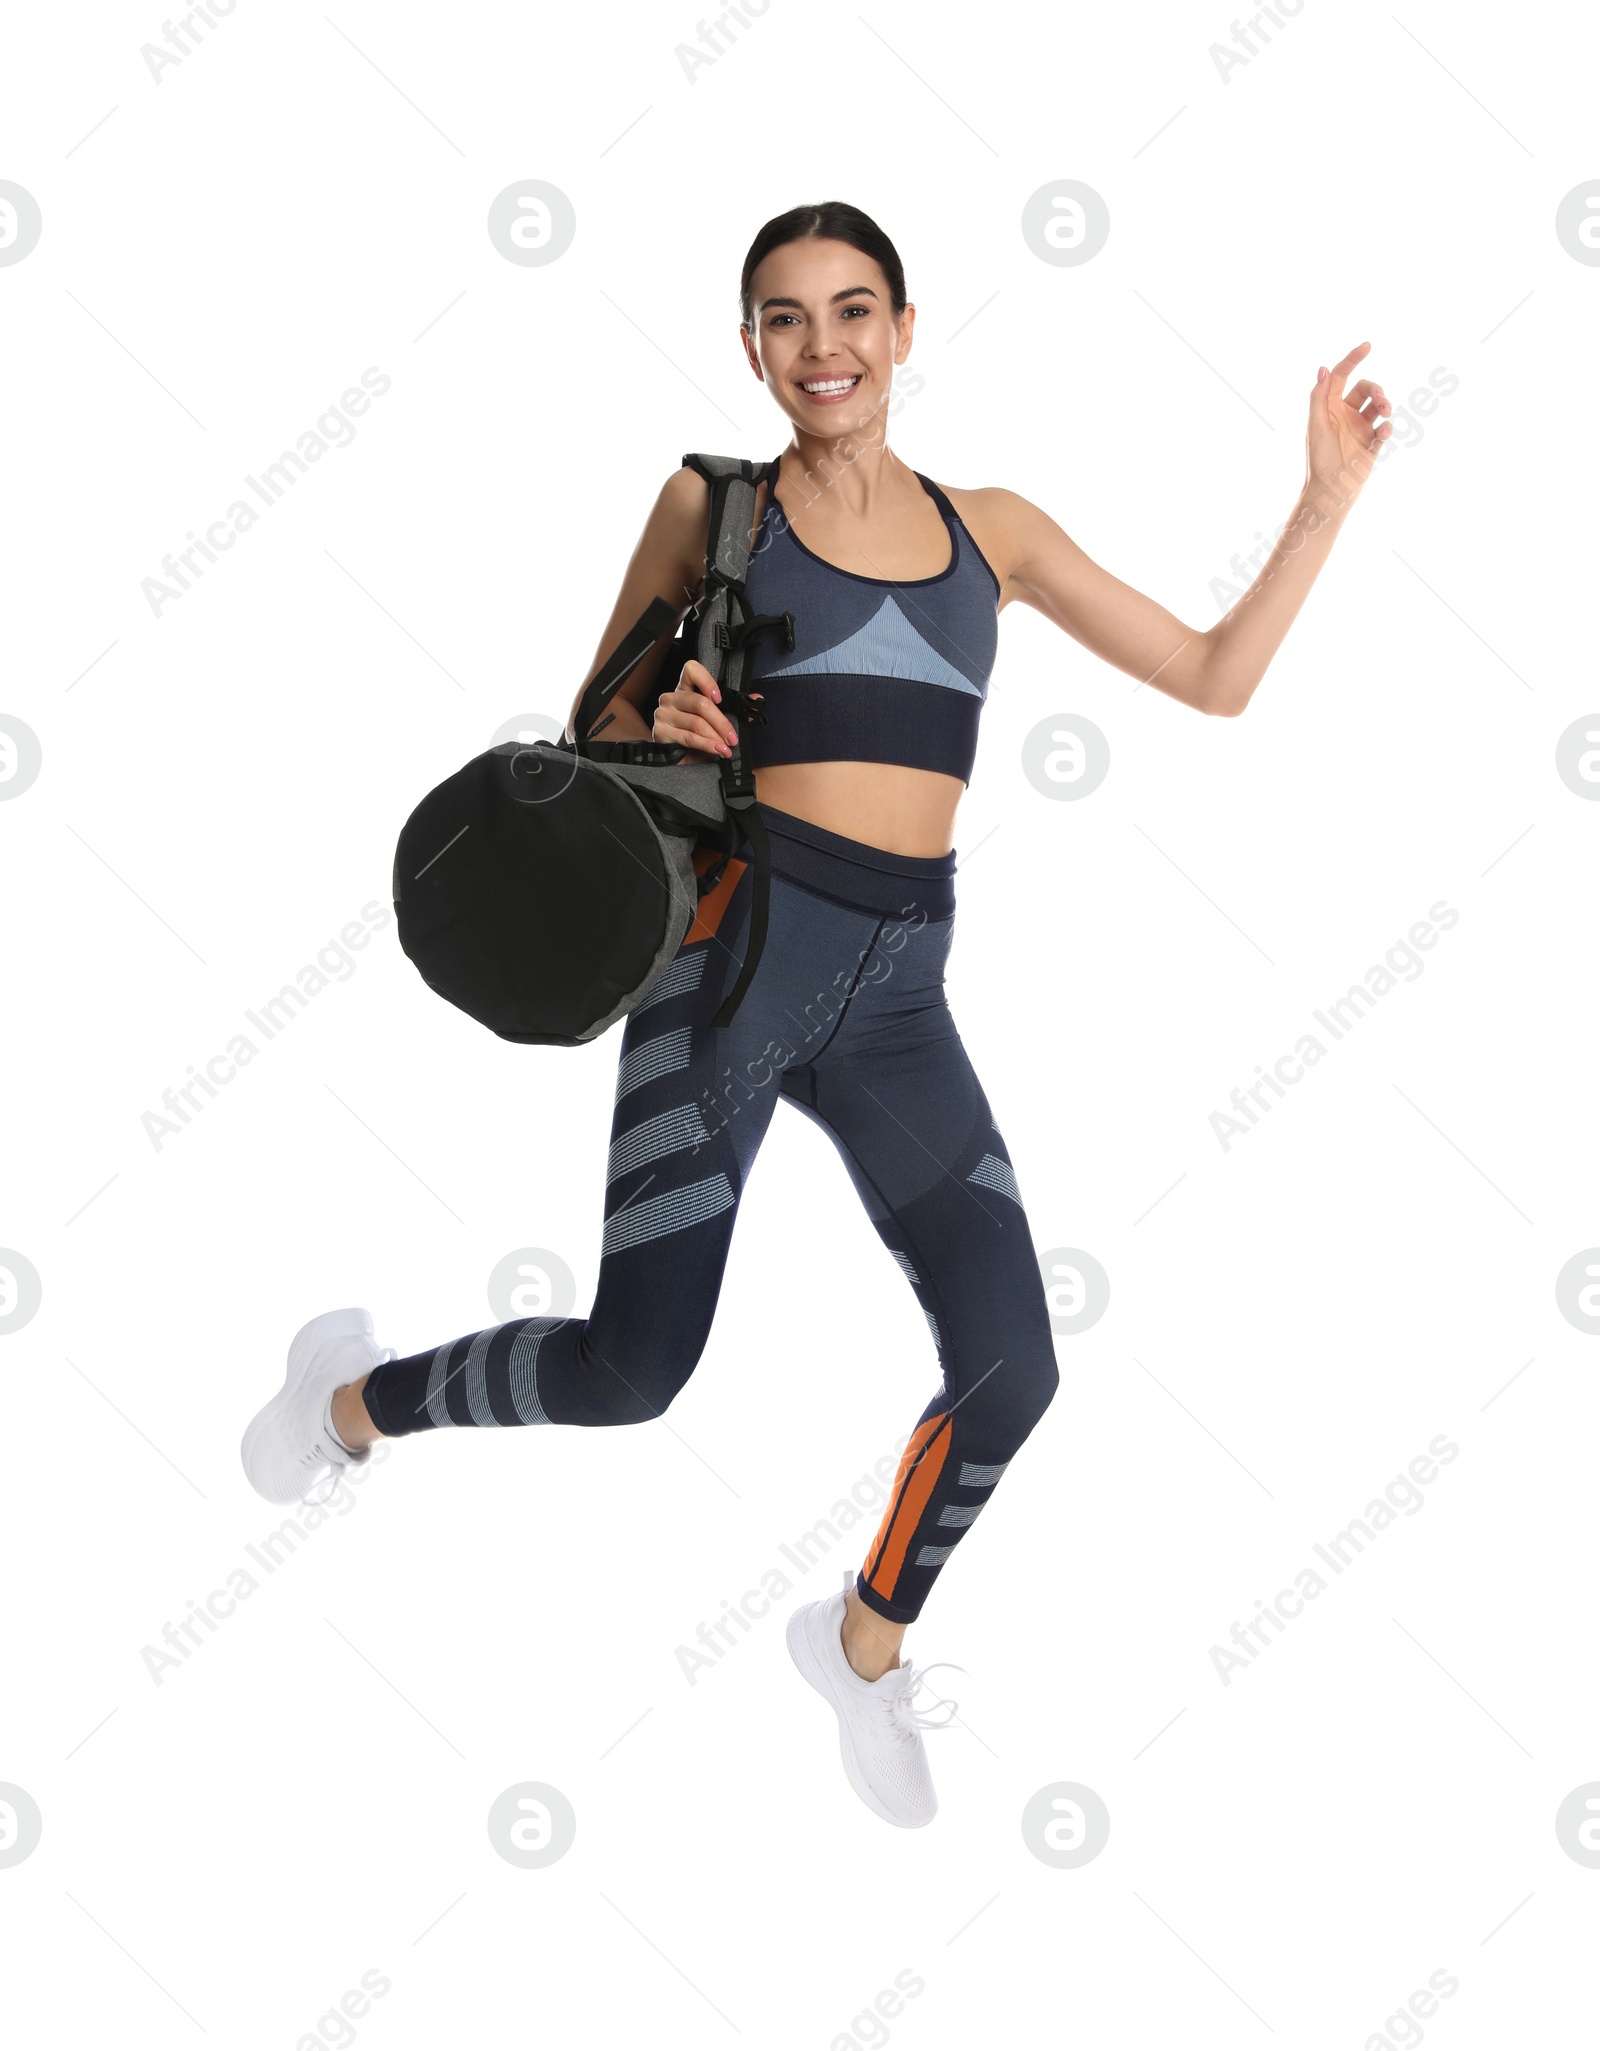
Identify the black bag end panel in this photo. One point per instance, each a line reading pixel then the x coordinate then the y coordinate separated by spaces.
pixel 517 893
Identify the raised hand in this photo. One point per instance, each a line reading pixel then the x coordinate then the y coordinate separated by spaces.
pixel 1345 429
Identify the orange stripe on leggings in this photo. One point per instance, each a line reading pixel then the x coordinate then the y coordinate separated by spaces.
pixel 708 914
pixel 913 1484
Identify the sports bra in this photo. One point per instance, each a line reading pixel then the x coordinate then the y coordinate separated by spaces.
pixel 881 670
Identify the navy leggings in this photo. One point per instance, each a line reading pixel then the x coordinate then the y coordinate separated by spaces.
pixel 845 1019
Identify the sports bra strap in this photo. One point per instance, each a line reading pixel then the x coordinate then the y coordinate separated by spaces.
pixel 937 496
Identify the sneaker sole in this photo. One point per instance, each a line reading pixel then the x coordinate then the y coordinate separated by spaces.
pixel 804 1655
pixel 332 1324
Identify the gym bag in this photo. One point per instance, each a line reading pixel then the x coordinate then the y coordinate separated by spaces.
pixel 546 886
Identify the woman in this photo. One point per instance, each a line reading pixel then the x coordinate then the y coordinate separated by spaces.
pixel 895 587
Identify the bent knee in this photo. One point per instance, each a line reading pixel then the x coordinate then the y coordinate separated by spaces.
pixel 1040 1381
pixel 1016 1394
pixel 626 1385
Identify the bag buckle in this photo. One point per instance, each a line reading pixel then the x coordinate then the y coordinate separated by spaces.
pixel 738 782
pixel 748 708
pixel 735 636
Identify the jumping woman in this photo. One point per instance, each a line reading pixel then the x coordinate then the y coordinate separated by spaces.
pixel 895 585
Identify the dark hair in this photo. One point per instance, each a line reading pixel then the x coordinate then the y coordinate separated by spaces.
pixel 833 221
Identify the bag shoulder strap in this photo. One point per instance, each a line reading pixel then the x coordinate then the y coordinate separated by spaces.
pixel 722 644
pixel 733 481
pixel 733 504
pixel 722 634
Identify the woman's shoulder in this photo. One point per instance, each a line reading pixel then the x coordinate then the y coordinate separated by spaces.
pixel 685 495
pixel 998 521
pixel 991 503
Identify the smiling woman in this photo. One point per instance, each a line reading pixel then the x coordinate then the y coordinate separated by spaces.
pixel 894 585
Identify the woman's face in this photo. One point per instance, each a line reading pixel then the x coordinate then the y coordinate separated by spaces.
pixel 825 339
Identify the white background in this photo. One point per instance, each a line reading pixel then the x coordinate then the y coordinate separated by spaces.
pixel 1291 1320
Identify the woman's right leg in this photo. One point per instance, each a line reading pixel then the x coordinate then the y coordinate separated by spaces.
pixel 682 1142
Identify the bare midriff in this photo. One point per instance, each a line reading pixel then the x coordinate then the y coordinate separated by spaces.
pixel 906 811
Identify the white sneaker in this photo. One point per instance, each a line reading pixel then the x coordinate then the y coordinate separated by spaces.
pixel 288 1446
pixel 880 1731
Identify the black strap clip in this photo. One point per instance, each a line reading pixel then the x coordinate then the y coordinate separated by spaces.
pixel 736 635
pixel 747 707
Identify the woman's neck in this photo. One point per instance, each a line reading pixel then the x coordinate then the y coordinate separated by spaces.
pixel 856 471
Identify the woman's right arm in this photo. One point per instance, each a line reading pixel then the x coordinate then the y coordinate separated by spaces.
pixel 668 563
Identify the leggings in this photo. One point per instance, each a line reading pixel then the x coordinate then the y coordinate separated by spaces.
pixel 846 1019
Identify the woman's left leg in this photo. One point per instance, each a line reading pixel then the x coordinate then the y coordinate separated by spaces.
pixel 897 1094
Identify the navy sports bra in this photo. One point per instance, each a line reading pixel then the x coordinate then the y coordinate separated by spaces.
pixel 880 671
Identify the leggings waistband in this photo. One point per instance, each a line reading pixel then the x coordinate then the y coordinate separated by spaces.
pixel 870 878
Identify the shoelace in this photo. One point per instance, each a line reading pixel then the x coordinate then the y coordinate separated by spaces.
pixel 329 1485
pixel 906 1718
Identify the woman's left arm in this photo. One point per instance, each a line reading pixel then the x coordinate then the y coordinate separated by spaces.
pixel 1215 670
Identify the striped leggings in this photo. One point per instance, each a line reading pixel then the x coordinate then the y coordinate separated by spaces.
pixel 846 1019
